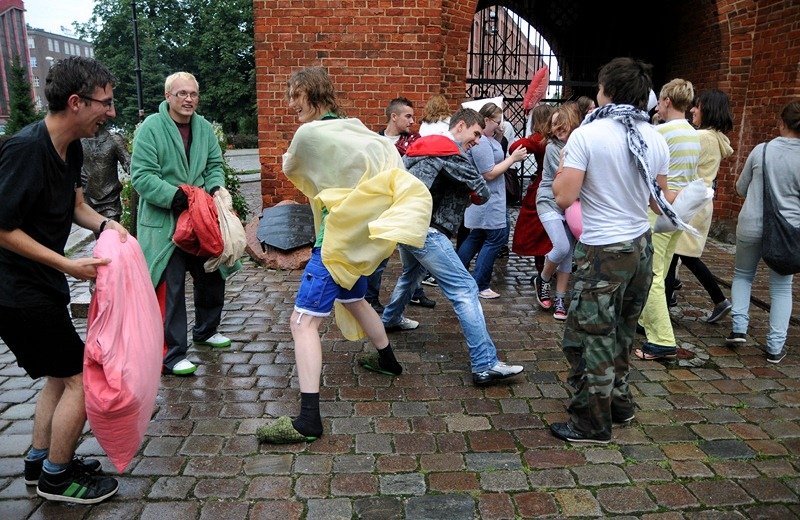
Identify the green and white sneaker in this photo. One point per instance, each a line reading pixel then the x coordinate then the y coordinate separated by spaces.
pixel 76 487
pixel 215 341
pixel 184 367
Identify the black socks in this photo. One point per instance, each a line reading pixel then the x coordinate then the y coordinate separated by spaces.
pixel 388 362
pixel 309 422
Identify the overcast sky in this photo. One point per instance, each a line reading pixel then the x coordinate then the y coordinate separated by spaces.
pixel 50 15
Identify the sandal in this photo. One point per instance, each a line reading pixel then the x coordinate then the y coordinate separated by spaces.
pixel 646 356
pixel 281 431
pixel 371 362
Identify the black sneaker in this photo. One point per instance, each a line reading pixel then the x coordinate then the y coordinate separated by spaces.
pixel 564 431
pixel 76 487
pixel 423 301
pixel 430 282
pixel 776 358
pixel 736 338
pixel 720 311
pixel 542 292
pixel 33 468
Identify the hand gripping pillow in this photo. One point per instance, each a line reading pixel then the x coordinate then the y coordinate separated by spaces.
pixel 123 355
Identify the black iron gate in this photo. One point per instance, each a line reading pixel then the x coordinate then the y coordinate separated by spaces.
pixel 504 52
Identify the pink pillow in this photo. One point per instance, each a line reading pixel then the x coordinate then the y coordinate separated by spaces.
pixel 123 355
pixel 574 219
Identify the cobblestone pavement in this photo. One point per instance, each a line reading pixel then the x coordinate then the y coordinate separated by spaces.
pixel 718 439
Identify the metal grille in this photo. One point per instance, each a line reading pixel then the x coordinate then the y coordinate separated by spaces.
pixel 504 52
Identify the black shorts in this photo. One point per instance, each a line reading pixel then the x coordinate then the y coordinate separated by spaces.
pixel 43 339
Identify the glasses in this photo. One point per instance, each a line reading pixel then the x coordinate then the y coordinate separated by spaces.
pixel 107 103
pixel 498 121
pixel 183 94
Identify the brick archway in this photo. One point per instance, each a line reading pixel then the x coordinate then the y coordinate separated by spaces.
pixel 376 51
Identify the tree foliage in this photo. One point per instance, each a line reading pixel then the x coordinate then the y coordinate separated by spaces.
pixel 212 39
pixel 21 109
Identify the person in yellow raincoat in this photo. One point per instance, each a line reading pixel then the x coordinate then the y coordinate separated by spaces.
pixel 364 204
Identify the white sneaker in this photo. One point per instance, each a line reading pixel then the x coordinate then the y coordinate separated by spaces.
pixel 507 370
pixel 488 294
pixel 405 324
pixel 215 341
pixel 184 367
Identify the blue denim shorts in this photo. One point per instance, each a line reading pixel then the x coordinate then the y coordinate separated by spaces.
pixel 318 291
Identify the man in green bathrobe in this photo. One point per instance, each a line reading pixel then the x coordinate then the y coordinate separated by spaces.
pixel 177 146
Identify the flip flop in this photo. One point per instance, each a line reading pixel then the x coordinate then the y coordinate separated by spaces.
pixel 370 361
pixel 281 431
pixel 652 357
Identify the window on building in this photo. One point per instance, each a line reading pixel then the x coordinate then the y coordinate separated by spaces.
pixel 31 43
pixel 36 81
pixel 56 46
pixel 33 62
pixel 49 44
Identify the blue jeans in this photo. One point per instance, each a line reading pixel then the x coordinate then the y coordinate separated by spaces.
pixel 374 284
pixel 748 254
pixel 440 259
pixel 486 243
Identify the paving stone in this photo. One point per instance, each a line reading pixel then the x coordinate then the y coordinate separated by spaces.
pixel 354 464
pixel 536 504
pixel 311 464
pixel 481 462
pixel 727 449
pixel 577 502
pixel 358 484
pixel 495 506
pixel 719 493
pixel 162 510
pixel 403 484
pixel 112 510
pixel 673 496
pixel 625 500
pixel 466 423
pixel 603 455
pixel 600 474
pixel 691 469
pixel 396 463
pixel 642 453
pixel 220 466
pixel 770 490
pixel 647 472
pixel 269 487
pixel 670 433
pixel 553 458
pixel 227 510
pixel 437 507
pixel 378 508
pixel 373 443
pixel 735 469
pixel 269 465
pixel 312 486
pixel 172 487
pixel 461 481
pixel 504 481
pixel 768 512
pixel 329 509
pixel 551 478
pixel 441 462
pixel 14 445
pixel 219 488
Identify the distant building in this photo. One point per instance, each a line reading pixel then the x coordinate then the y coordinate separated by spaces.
pixel 37 51
pixel 46 48
pixel 13 42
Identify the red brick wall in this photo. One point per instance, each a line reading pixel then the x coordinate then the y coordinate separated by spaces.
pixel 374 51
pixel 378 49
pixel 750 50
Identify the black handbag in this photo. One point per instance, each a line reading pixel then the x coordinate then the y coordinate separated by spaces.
pixel 780 241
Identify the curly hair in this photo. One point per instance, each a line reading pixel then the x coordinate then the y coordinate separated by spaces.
pixel 317 85
pixel 436 109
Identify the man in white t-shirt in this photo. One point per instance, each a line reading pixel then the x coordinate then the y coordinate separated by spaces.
pixel 614 254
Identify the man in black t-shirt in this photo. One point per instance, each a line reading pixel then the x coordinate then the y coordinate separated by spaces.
pixel 40 189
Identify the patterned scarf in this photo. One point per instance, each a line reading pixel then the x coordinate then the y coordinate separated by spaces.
pixel 628 115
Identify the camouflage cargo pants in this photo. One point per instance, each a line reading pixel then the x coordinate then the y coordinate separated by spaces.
pixel 611 287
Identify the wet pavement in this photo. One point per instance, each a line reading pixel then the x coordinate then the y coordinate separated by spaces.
pixel 717 438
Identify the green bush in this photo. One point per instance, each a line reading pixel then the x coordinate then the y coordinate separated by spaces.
pixel 242 141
